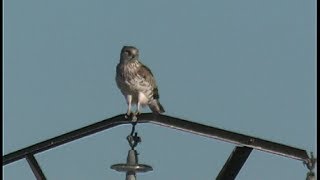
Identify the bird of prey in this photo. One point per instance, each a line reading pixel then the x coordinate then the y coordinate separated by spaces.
pixel 136 82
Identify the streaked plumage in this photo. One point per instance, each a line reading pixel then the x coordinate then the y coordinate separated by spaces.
pixel 136 81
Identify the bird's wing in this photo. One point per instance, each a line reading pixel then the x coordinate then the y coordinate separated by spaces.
pixel 147 75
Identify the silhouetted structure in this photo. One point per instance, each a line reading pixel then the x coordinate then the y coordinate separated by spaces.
pixel 244 143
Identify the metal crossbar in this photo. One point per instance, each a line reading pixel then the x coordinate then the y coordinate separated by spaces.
pixel 248 142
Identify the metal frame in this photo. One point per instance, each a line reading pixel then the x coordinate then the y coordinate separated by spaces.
pixel 233 165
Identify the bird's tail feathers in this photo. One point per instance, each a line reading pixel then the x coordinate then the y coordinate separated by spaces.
pixel 156 107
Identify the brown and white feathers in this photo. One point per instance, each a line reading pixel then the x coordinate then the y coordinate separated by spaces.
pixel 136 81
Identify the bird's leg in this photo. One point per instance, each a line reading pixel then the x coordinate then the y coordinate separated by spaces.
pixel 129 100
pixel 138 108
pixel 139 104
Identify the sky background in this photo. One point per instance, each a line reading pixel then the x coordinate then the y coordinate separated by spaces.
pixel 246 66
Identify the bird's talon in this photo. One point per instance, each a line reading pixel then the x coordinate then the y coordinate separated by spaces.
pixel 134 118
pixel 128 115
pixel 137 113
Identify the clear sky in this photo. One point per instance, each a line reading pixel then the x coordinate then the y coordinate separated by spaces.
pixel 246 66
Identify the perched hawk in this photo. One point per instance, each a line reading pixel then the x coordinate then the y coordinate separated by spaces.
pixel 136 82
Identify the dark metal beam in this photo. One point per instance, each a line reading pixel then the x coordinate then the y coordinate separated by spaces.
pixel 234 163
pixel 64 138
pixel 35 167
pixel 166 121
pixel 231 137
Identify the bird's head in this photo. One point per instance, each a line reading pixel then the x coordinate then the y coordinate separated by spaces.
pixel 129 53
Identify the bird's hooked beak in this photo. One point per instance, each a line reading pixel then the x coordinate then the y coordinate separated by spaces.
pixel 133 53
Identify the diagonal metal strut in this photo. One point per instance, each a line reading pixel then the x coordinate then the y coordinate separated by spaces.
pixel 234 163
pixel 35 167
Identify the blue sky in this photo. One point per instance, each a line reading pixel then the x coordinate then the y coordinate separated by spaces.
pixel 246 66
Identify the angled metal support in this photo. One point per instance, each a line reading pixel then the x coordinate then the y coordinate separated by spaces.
pixel 166 121
pixel 169 122
pixel 234 163
pixel 35 167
